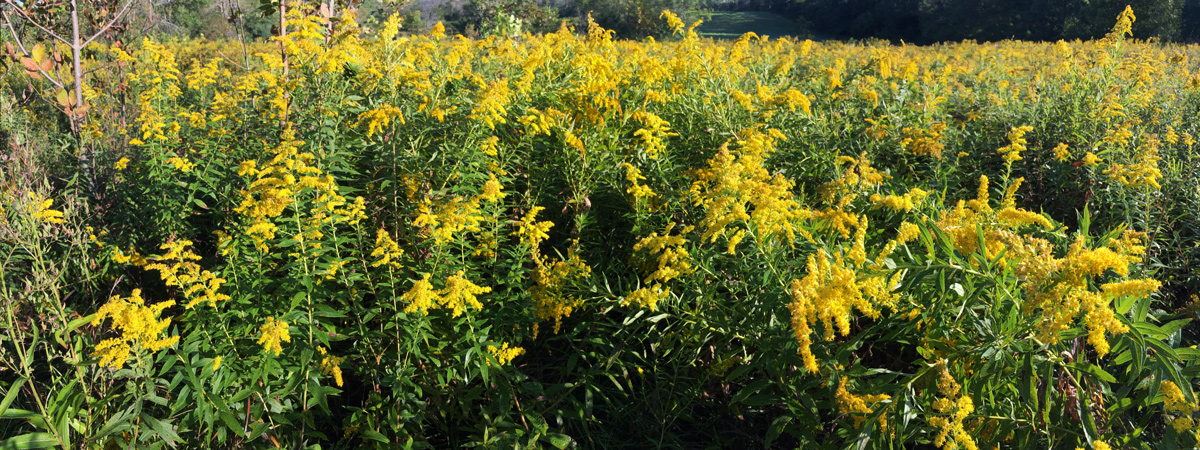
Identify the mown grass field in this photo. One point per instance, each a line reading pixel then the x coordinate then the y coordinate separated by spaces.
pixel 732 25
pixel 348 238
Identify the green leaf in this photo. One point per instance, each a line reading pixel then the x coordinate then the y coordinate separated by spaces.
pixel 1093 370
pixel 36 419
pixel 558 440
pixel 72 326
pixel 1174 326
pixel 231 423
pixel 29 441
pixel 777 426
pixel 751 389
pixel 11 395
pixel 375 436
pixel 162 429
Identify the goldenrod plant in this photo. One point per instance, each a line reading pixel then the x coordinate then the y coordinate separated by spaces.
pixel 359 238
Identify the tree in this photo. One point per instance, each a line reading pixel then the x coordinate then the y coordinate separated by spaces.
pixel 57 24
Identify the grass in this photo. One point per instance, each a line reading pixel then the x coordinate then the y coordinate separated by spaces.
pixel 731 25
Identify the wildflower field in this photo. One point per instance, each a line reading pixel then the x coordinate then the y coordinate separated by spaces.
pixel 350 238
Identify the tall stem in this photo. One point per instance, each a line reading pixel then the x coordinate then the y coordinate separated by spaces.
pixel 73 115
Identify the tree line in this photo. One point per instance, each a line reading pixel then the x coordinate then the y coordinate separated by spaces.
pixel 927 21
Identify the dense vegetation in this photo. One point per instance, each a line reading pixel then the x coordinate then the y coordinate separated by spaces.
pixel 349 238
pixel 927 21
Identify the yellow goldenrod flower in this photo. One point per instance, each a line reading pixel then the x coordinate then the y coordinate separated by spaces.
pixel 634 176
pixel 647 297
pixel 1016 144
pixel 139 325
pixel 460 293
pixel 902 203
pixel 922 141
pixel 532 233
pixel 1062 153
pixel 951 432
pixel 331 365
pixel 421 297
pixel 379 119
pixel 40 209
pixel 857 405
pixel 673 21
pixel 386 250
pixel 503 354
pixel 492 191
pixel 181 164
pixel 443 219
pixel 274 332
pixel 550 281
pixel 653 133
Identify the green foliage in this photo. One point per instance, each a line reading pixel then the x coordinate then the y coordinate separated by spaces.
pixel 375 241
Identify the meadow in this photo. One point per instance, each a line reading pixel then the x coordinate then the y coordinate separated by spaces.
pixel 353 238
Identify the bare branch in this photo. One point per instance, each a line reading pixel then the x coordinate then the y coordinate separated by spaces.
pixel 107 25
pixel 102 67
pixel 24 51
pixel 231 61
pixel 20 11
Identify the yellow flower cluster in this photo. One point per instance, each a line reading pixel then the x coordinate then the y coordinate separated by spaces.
pixel 925 141
pixel 1059 287
pixel 1144 172
pixel 857 404
pixel 178 267
pixel 140 326
pixel 493 191
pixel 832 289
pixel 951 432
pixel 653 132
pixel 386 250
pixel 673 21
pixel 159 76
pixel 276 188
pixel 458 294
pixel 1016 144
pixel 736 187
pixel 1062 153
pixel 442 220
pixel 330 365
pixel 274 332
pixel 640 192
pixel 41 209
pixel 1177 405
pixel 901 203
pixel 181 164
pixel 492 104
pixel 504 354
pixel 550 280
pixel 380 118
pixel 963 223
pixel 532 233
pixel 1123 27
pixel 672 261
